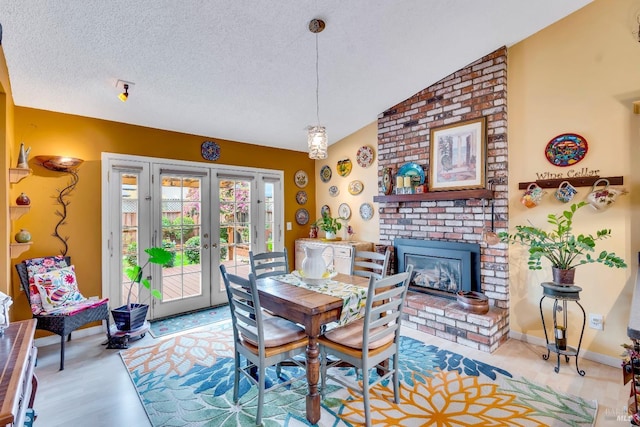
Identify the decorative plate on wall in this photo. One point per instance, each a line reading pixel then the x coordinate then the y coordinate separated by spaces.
pixel 344 167
pixel 356 187
pixel 325 210
pixel 302 216
pixel 364 157
pixel 325 173
pixel 566 149
pixel 334 191
pixel 301 179
pixel 301 197
pixel 210 151
pixel 366 211
pixel 344 211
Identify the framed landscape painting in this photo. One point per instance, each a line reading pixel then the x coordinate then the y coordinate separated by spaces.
pixel 457 156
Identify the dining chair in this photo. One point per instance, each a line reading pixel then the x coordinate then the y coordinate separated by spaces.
pixel 267 264
pixel 368 264
pixel 263 340
pixel 370 342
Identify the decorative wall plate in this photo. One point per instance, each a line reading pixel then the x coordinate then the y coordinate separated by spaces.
pixel 301 179
pixel 344 167
pixel 566 149
pixel 334 191
pixel 387 181
pixel 366 211
pixel 302 216
pixel 325 173
pixel 356 187
pixel 364 157
pixel 210 151
pixel 325 210
pixel 344 211
pixel 413 170
pixel 301 197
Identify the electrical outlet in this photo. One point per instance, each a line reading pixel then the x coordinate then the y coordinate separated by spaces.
pixel 596 321
pixel 288 226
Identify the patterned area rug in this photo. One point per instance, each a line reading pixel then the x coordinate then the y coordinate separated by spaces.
pixel 171 325
pixel 187 380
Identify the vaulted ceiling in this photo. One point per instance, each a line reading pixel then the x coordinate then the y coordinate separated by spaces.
pixel 246 70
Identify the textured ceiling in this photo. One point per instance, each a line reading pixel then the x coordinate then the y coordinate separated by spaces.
pixel 245 70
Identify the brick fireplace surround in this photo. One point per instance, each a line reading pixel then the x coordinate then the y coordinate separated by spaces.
pixel 480 89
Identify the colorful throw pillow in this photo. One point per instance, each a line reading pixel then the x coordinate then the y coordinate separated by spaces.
pixel 58 288
pixel 39 266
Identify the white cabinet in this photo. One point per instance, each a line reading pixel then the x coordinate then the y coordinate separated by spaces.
pixel 342 252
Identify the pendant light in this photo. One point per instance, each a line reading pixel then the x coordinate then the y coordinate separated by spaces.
pixel 317 135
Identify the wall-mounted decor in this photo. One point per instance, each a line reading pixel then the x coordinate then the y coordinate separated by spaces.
pixel 301 197
pixel 356 187
pixel 566 149
pixel 301 179
pixel 387 181
pixel 334 191
pixel 457 157
pixel 366 211
pixel 325 173
pixel 302 216
pixel 344 211
pixel 365 155
pixel 210 151
pixel 325 210
pixel 344 167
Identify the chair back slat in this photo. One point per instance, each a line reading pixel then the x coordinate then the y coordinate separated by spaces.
pixel 268 264
pixel 370 264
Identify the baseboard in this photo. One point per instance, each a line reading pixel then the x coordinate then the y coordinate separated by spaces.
pixel 585 354
pixel 79 333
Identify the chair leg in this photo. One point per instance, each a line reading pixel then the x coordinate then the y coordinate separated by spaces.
pixel 261 389
pixel 236 378
pixel 396 380
pixel 323 372
pixel 365 394
pixel 62 352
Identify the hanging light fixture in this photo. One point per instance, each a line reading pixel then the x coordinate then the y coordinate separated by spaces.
pixel 317 136
pixel 125 87
pixel 124 95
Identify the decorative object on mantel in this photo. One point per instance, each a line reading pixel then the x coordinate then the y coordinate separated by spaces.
pixel 23 157
pixel 566 149
pixel 410 176
pixel 601 198
pixel 387 181
pixel 466 170
pixel 66 165
pixel 561 247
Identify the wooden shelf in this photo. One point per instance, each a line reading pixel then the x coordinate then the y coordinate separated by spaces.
pixel 16 174
pixel 18 248
pixel 18 211
pixel 436 195
pixel 586 181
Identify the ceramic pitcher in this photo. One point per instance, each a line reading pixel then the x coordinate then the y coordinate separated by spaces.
pixel 532 196
pixel 314 266
pixel 601 196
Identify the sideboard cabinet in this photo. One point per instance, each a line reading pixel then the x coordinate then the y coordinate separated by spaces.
pixel 342 252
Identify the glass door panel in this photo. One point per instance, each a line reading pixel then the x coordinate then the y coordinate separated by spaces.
pixel 235 224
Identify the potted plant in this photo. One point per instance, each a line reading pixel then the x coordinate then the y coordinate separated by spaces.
pixel 131 316
pixel 561 247
pixel 329 225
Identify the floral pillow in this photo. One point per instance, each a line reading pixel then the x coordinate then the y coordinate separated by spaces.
pixel 39 266
pixel 58 288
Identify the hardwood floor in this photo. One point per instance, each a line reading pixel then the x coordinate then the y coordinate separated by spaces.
pixel 95 389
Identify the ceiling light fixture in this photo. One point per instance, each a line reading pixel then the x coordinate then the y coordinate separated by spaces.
pixel 124 87
pixel 317 136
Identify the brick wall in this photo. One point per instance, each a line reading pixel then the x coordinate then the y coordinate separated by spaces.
pixel 478 90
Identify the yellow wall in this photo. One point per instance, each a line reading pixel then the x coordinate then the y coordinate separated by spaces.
pixel 368 231
pixel 49 133
pixel 579 75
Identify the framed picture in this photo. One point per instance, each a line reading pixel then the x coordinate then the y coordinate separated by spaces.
pixel 457 156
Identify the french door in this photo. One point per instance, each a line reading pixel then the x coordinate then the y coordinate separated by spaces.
pixel 203 215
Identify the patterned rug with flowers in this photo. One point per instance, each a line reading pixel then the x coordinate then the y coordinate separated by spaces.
pixel 187 380
pixel 172 325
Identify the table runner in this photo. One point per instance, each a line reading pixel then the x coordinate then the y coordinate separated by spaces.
pixel 353 297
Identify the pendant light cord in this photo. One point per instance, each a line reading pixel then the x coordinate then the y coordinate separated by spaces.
pixel 317 82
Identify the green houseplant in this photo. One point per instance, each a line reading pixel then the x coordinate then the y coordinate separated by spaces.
pixel 561 246
pixel 132 315
pixel 329 225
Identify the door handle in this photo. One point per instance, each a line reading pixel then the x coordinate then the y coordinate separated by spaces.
pixel 205 246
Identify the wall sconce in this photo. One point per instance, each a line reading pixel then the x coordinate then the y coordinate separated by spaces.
pixel 124 87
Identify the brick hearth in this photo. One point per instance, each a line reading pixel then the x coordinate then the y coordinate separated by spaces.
pixel 477 90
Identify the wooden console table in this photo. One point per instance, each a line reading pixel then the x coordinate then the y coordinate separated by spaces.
pixel 18 382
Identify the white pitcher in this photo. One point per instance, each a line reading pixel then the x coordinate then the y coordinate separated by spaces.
pixel 314 265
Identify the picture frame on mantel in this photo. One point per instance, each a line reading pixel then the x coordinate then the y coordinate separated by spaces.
pixel 457 156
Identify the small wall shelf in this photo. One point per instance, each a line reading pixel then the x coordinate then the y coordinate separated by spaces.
pixel 16 174
pixel 436 195
pixel 18 248
pixel 17 211
pixel 586 181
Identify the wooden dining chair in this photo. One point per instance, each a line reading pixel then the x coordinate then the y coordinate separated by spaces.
pixel 263 340
pixel 370 264
pixel 371 342
pixel 267 264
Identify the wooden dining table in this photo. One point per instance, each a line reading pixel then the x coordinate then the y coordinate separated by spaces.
pixel 312 310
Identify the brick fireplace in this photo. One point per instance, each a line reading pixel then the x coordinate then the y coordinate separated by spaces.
pixel 478 90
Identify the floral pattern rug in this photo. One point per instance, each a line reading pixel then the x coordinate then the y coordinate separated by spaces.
pixel 187 380
pixel 172 325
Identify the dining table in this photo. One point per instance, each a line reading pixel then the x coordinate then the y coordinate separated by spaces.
pixel 309 308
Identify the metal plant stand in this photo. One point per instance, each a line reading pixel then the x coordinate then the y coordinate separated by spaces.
pixel 563 294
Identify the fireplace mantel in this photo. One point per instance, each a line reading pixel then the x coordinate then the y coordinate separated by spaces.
pixel 436 195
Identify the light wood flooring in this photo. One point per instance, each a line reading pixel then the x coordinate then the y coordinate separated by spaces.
pixel 95 389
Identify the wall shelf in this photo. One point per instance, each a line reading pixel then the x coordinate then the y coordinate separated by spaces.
pixel 18 248
pixel 16 174
pixel 436 195
pixel 586 181
pixel 17 211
